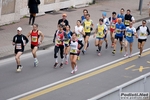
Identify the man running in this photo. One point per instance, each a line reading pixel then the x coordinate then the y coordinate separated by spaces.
pixel 36 40
pixel 129 32
pixel 113 21
pixel 100 32
pixel 88 27
pixel 107 23
pixel 143 32
pixel 79 30
pixel 128 18
pixel 59 37
pixel 63 21
pixel 120 28
pixel 121 15
pixel 85 12
pixel 20 42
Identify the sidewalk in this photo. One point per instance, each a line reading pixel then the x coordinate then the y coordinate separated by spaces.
pixel 48 22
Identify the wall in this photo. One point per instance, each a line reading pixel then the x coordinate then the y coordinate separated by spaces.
pixel 13 10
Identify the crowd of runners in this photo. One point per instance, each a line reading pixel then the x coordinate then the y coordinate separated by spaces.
pixel 70 43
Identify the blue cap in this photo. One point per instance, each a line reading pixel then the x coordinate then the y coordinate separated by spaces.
pixel 104 13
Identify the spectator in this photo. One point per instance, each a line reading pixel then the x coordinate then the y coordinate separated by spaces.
pixel 64 22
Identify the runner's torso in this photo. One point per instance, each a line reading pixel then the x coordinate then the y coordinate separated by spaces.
pixel 35 38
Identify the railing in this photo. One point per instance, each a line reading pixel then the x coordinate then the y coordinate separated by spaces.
pixel 140 84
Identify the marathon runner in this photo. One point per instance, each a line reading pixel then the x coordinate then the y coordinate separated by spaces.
pixel 113 21
pixel 79 30
pixel 120 28
pixel 36 40
pixel 143 32
pixel 59 37
pixel 88 27
pixel 107 23
pixel 100 32
pixel 129 32
pixel 121 15
pixel 66 43
pixel 19 41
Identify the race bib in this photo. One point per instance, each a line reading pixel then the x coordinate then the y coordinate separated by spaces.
pixel 142 34
pixel 58 42
pixel 127 22
pixel 18 46
pixel 101 35
pixel 129 34
pixel 34 38
pixel 66 42
pixel 73 51
pixel 118 31
pixel 78 35
pixel 113 26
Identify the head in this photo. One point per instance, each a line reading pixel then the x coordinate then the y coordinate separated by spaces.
pixel 85 11
pixel 68 28
pixel 144 22
pixel 64 16
pixel 87 16
pixel 122 11
pixel 119 20
pixel 100 21
pixel 78 22
pixel 114 14
pixel 60 27
pixel 19 30
pixel 74 35
pixel 130 24
pixel 128 12
pixel 35 27
pixel 104 14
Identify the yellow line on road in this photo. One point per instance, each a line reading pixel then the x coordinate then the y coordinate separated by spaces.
pixel 129 67
pixel 61 85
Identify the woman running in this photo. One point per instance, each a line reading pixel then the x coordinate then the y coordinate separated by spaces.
pixel 79 30
pixel 74 52
pixel 130 32
pixel 100 32
pixel 66 42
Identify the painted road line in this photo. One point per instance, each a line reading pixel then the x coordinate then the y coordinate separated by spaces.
pixel 141 69
pixel 75 76
pixel 129 67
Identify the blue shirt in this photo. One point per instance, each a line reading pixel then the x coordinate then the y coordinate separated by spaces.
pixel 82 18
pixel 121 16
pixel 119 27
pixel 130 33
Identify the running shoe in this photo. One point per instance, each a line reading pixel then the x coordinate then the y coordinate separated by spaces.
pixel 113 52
pixel 55 65
pixel 76 68
pixel 106 46
pixel 125 55
pixel 129 56
pixel 66 62
pixel 72 72
pixel 99 54
pixel 139 56
pixel 36 63
pixel 61 65
pixel 83 51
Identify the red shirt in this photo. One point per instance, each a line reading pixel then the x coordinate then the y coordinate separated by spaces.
pixel 34 38
pixel 59 37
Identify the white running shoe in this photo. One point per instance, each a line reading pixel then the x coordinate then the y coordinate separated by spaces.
pixel 72 72
pixel 36 63
pixel 139 55
pixel 129 56
pixel 99 54
pixel 125 55
pixel 76 68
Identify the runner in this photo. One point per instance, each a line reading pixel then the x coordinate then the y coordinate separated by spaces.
pixel 130 32
pixel 20 42
pixel 121 15
pixel 128 18
pixel 143 32
pixel 88 27
pixel 113 21
pixel 107 23
pixel 100 32
pixel 79 30
pixel 120 28
pixel 67 46
pixel 74 52
pixel 85 12
pixel 63 21
pixel 35 34
pixel 59 38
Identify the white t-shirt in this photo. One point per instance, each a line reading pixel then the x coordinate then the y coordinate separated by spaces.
pixel 74 47
pixel 142 32
pixel 78 31
pixel 106 21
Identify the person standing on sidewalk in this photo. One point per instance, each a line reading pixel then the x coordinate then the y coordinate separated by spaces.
pixel 33 9
pixel 64 22
pixel 149 8
pixel 88 27
pixel 36 40
pixel 19 41
pixel 143 32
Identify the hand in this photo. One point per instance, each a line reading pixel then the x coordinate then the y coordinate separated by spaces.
pixel 40 43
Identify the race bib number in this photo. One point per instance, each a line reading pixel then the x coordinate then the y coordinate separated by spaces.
pixel 78 35
pixel 34 38
pixel 73 51
pixel 101 35
pixel 113 26
pixel 18 46
pixel 142 34
pixel 118 31
pixel 127 22
pixel 129 34
pixel 58 42
pixel 66 42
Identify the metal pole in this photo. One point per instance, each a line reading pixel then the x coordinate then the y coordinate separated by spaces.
pixel 141 6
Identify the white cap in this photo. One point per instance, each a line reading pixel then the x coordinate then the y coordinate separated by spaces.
pixel 19 29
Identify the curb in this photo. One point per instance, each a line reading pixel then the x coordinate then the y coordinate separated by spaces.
pixel 50 45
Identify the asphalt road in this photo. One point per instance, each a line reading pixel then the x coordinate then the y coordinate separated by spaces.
pixel 76 87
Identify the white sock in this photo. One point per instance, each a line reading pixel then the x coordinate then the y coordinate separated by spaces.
pixel 62 60
pixel 67 57
pixel 56 60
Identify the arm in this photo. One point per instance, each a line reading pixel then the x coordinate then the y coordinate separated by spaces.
pixel 13 42
pixel 96 30
pixel 26 39
pixel 28 35
pixel 138 28
pixel 54 37
pixel 42 36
